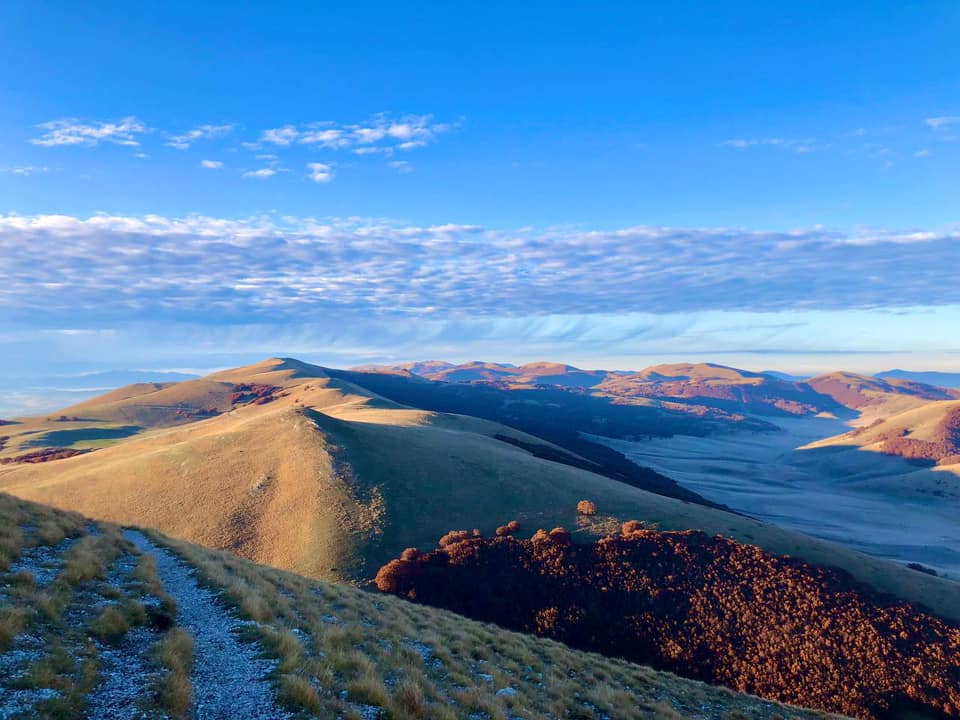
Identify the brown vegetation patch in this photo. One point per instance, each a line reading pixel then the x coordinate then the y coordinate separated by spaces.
pixel 254 393
pixel 587 507
pixel 704 607
pixel 42 456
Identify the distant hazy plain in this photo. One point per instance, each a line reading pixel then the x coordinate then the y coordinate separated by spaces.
pixel 767 476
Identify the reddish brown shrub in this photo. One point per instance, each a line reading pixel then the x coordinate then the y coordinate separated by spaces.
pixel 707 608
pixel 397 578
pixel 254 393
pixel 510 528
pixel 631 526
pixel 540 536
pixel 41 456
pixel 410 554
pixel 587 507
pixel 559 536
pixel 454 536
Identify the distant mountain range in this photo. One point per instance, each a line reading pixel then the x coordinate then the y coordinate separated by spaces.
pixel 943 379
pixel 705 390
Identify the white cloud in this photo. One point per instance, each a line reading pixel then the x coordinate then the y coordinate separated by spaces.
pixel 922 153
pixel 380 134
pixel 69 131
pixel 401 166
pixel 198 266
pixel 941 122
pixel 203 132
pixel 803 145
pixel 320 172
pixel 280 136
pixel 261 173
pixel 326 137
pixel 371 150
pixel 24 170
pixel 211 164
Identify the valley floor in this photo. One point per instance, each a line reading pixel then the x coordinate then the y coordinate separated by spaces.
pixel 876 504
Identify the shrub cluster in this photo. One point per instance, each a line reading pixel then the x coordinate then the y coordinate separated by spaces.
pixel 587 507
pixel 255 393
pixel 702 607
pixel 40 456
pixel 510 528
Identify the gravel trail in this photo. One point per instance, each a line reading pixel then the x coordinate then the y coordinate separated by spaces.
pixel 229 678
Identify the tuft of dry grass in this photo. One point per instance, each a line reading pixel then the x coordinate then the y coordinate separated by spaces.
pixel 50 532
pixel 12 621
pixel 110 625
pixel 88 559
pixel 369 689
pixel 175 653
pixel 298 693
pixel 115 621
pixel 408 699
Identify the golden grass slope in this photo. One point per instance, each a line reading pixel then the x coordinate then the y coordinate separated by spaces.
pixel 331 481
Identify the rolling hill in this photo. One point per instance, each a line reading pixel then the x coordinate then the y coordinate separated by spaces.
pixel 331 473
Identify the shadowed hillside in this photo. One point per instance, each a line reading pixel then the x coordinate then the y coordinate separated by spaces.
pixel 103 623
pixel 704 607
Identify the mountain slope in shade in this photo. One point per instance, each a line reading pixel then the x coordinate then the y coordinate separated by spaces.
pixel 329 478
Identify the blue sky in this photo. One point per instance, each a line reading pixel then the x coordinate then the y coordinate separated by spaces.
pixel 764 184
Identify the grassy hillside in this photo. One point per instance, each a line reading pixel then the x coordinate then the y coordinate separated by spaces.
pixel 102 623
pixel 329 480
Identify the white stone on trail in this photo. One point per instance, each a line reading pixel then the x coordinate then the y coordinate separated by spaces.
pixel 229 676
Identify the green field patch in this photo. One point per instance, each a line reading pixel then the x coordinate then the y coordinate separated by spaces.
pixel 83 437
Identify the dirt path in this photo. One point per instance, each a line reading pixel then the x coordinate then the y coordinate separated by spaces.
pixel 229 676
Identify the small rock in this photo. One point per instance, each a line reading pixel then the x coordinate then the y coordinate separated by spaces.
pixel 506 692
